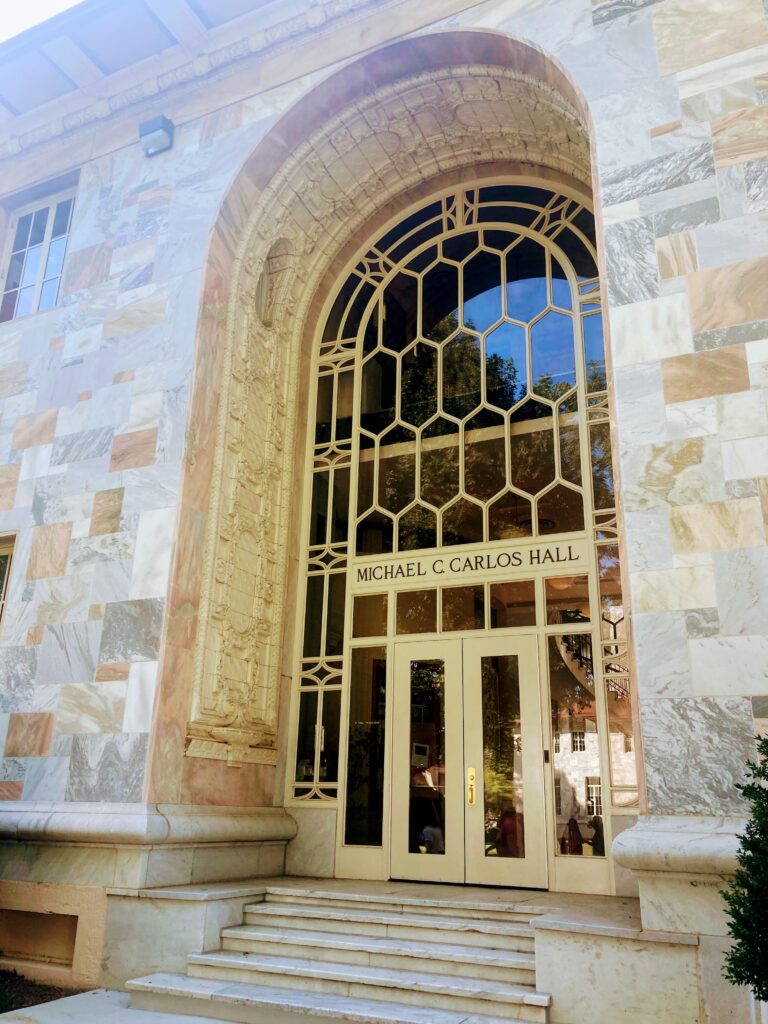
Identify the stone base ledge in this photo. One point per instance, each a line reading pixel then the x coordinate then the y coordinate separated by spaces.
pixel 682 845
pixel 142 824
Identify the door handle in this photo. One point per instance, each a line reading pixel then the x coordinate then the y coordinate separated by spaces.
pixel 471 793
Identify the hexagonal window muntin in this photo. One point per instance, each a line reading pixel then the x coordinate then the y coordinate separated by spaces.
pixel 467 355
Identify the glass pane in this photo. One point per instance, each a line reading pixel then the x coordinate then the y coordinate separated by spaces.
pixel 513 604
pixel 344 394
pixel 329 736
pixel 509 516
pixel 374 534
pixel 26 299
pixel 561 289
pixel 48 294
pixel 61 219
pixel 440 302
pixel 31 266
pixel 461 375
pixel 560 510
pixel 400 310
pixel 15 267
pixel 397 478
pixel 532 448
pixel 426 814
pixel 55 261
pixel 463 523
pixel 620 733
pixel 324 409
pixel 526 280
pixel 365 747
pixel 39 221
pixel 417 611
pixel 365 474
pixel 611 601
pixel 505 365
pixel 305 748
pixel 418 384
pixel 8 306
pixel 482 291
pixel 313 616
pixel 340 506
pixel 334 626
pixel 485 460
pixel 576 755
pixel 502 757
pixel 440 464
pixel 567 599
pixel 22 232
pixel 377 398
pixel 553 358
pixel 417 529
pixel 602 467
pixel 318 523
pixel 570 453
pixel 594 352
pixel 463 608
pixel 369 617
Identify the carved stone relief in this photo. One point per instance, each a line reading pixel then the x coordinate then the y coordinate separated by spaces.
pixel 344 173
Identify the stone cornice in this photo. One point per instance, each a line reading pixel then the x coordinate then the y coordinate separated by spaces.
pixel 684 845
pixel 179 72
pixel 142 824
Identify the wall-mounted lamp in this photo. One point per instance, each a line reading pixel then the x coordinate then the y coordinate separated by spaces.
pixel 156 135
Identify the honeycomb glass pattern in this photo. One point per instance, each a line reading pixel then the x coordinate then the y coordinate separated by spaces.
pixel 479 349
pixel 460 398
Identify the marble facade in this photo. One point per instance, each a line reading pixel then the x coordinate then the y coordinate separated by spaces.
pixel 129 446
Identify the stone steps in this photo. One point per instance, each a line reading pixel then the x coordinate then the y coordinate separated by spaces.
pixel 249 1004
pixel 441 991
pixel 396 902
pixel 477 931
pixel 354 955
pixel 508 966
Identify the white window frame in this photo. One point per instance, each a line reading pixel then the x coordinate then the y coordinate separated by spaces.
pixel 7 545
pixel 14 216
pixel 593 787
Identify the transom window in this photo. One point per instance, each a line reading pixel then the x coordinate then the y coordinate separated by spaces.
pixel 36 261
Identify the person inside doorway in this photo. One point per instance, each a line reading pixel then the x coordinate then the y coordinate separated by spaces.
pixel 597 842
pixel 510 835
pixel 572 841
pixel 427 810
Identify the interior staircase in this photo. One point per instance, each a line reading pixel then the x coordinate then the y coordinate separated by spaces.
pixel 361 956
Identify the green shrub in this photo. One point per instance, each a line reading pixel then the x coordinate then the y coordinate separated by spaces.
pixel 747 895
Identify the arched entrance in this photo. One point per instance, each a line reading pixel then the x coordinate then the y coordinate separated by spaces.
pixel 391 134
pixel 462 682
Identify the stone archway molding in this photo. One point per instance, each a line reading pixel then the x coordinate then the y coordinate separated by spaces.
pixel 278 238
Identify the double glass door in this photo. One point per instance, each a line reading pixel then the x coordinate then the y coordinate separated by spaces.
pixel 467 770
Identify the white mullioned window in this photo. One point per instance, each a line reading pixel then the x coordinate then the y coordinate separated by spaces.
pixel 35 260
pixel 6 554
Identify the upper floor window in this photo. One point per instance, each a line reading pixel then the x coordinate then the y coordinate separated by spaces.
pixel 6 553
pixel 36 259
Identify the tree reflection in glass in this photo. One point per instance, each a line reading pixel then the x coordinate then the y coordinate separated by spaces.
pixel 502 757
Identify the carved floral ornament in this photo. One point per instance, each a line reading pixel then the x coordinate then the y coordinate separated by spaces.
pixel 348 170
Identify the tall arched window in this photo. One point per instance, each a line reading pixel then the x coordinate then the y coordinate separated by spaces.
pixel 461 400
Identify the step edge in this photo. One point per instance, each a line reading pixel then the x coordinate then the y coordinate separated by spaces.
pixel 145 986
pixel 405 901
pixel 368 944
pixel 244 962
pixel 265 909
